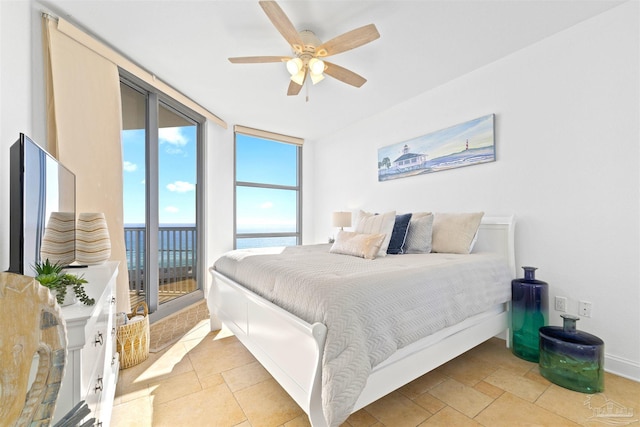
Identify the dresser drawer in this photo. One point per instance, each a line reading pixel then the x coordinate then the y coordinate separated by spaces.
pixel 89 373
pixel 93 353
pixel 94 393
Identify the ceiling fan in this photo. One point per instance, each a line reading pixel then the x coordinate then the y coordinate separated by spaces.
pixel 309 51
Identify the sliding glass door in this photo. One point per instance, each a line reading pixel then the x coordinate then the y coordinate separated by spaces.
pixel 161 146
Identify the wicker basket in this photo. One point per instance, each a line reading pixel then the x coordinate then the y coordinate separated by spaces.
pixel 133 338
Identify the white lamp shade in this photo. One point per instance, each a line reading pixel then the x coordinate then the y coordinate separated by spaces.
pixel 294 65
pixel 315 78
pixel 298 78
pixel 316 66
pixel 341 219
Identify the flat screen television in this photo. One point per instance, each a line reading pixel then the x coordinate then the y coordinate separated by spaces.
pixel 42 213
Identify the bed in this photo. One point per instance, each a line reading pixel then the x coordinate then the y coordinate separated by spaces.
pixel 317 357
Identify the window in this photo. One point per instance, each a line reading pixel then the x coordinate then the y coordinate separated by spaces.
pixel 268 195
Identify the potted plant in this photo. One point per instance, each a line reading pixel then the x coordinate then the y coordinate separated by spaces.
pixel 53 277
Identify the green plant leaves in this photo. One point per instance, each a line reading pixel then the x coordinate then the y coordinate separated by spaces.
pixel 53 277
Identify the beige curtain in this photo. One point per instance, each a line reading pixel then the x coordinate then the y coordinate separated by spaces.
pixel 106 52
pixel 84 122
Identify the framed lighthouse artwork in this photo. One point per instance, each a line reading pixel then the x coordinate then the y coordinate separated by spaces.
pixel 465 144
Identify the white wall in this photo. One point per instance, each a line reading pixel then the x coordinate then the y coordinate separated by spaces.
pixel 219 198
pixel 567 165
pixel 17 71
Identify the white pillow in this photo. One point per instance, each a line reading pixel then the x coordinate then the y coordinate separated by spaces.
pixel 370 223
pixel 455 232
pixel 419 233
pixel 357 244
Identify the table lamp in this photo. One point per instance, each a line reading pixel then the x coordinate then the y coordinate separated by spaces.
pixel 341 219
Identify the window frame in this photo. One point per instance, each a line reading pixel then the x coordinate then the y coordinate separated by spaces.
pixel 283 139
pixel 156 98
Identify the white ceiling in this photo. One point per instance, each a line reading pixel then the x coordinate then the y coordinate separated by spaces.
pixel 423 44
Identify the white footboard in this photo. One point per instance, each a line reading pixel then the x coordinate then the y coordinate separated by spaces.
pixel 289 348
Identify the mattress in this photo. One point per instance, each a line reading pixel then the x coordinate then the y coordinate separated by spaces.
pixel 371 308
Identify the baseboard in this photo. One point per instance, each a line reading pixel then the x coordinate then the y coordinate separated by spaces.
pixel 622 367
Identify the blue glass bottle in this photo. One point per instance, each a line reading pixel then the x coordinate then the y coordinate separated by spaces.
pixel 529 312
pixel 570 358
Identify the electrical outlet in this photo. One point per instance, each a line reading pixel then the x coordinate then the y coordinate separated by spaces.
pixel 561 304
pixel 585 308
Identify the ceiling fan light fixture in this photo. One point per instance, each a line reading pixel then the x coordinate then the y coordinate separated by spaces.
pixel 315 78
pixel 298 77
pixel 309 52
pixel 294 66
pixel 316 66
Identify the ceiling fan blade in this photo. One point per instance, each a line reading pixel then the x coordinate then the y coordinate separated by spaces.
pixel 258 59
pixel 282 24
pixel 347 41
pixel 344 75
pixel 294 88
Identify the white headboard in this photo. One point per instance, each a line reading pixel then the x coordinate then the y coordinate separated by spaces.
pixel 496 234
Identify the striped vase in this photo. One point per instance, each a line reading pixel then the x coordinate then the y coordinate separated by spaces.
pixel 93 245
pixel 58 240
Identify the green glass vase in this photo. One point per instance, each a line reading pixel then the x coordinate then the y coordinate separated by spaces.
pixel 529 312
pixel 570 358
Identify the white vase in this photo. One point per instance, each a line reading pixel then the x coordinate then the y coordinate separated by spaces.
pixel 69 297
pixel 93 245
pixel 58 240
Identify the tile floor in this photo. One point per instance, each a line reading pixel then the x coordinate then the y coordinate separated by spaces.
pixel 209 379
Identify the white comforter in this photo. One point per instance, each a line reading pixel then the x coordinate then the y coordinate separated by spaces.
pixel 371 307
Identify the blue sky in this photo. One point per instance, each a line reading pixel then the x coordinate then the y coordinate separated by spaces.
pixel 177 180
pixel 264 161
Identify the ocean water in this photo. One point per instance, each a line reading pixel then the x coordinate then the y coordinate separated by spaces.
pixel 265 242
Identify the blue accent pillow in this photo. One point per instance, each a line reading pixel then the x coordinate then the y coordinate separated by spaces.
pixel 399 234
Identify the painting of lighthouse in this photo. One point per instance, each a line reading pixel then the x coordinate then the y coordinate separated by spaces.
pixel 465 144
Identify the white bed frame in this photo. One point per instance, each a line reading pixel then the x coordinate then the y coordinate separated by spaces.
pixel 291 349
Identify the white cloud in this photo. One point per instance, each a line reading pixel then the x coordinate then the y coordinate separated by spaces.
pixel 266 205
pixel 172 136
pixel 129 167
pixel 181 186
pixel 171 209
pixel 172 150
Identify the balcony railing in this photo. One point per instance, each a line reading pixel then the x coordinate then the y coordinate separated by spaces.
pixel 177 258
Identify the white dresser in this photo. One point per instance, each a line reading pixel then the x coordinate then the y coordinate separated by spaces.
pixel 92 366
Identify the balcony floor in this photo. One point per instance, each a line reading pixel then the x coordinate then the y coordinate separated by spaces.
pixel 167 292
